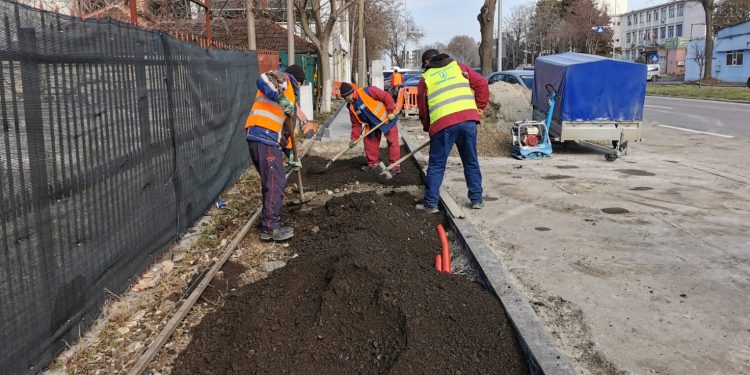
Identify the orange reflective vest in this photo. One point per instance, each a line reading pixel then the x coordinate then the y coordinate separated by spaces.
pixel 268 114
pixel 397 79
pixel 367 110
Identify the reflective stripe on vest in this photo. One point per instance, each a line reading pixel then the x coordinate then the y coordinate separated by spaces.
pixel 448 91
pixel 366 109
pixel 267 113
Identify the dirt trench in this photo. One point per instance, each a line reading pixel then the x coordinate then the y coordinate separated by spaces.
pixel 362 296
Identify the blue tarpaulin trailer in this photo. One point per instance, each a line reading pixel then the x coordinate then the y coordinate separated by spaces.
pixel 599 99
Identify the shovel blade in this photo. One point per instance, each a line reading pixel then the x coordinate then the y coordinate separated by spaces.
pixel 381 172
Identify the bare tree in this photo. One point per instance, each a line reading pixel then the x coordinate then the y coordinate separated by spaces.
pixel 699 57
pixel 318 21
pixel 400 31
pixel 516 26
pixel 708 7
pixel 579 24
pixel 542 39
pixel 463 48
pixel 730 12
pixel 486 18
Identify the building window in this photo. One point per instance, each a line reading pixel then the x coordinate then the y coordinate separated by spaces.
pixel 678 30
pixel 663 32
pixel 627 38
pixel 656 14
pixel 671 11
pixel 670 31
pixel 734 58
pixel 640 35
pixel 641 18
pixel 663 14
pixel 680 9
pixel 629 20
pixel 648 17
pixel 655 33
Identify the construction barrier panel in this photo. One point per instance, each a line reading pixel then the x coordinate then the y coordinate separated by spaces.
pixel 114 140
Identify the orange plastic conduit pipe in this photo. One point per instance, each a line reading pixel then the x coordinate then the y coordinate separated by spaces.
pixel 446 254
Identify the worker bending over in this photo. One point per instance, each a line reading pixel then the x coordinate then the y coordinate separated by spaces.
pixel 368 107
pixel 450 98
pixel 269 139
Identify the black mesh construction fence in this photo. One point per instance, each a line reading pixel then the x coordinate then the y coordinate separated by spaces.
pixel 114 139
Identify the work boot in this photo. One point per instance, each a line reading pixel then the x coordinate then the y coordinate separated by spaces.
pixel 477 205
pixel 429 210
pixel 395 171
pixel 278 234
pixel 367 168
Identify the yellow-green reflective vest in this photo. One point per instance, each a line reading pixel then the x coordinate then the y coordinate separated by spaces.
pixel 448 91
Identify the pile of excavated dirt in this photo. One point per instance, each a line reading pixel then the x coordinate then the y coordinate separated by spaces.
pixel 492 141
pixel 361 297
pixel 508 103
pixel 347 171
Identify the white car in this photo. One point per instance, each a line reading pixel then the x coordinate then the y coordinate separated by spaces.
pixel 652 72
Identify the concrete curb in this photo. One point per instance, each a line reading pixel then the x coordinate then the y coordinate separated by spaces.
pixel 324 131
pixel 540 348
pixel 703 99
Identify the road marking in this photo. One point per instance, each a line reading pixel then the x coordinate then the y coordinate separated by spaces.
pixel 656 106
pixel 695 131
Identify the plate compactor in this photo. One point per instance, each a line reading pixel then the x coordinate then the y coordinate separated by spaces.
pixel 530 139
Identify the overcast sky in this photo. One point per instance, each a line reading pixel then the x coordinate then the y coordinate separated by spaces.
pixel 443 19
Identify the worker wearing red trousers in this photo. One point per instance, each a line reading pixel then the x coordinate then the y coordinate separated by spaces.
pixel 368 107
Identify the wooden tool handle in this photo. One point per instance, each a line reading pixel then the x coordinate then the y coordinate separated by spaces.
pixel 399 161
pixel 359 139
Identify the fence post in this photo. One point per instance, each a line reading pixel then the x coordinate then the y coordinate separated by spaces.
pixel 176 179
pixel 142 107
pixel 35 137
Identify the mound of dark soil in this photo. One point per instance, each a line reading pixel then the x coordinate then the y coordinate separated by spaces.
pixel 347 171
pixel 361 297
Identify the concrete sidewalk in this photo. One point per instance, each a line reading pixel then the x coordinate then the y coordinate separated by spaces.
pixel 640 265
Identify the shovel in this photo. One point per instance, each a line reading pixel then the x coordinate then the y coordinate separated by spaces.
pixel 355 143
pixel 384 174
pixel 289 123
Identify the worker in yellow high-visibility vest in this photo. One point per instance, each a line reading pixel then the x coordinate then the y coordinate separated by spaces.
pixel 451 97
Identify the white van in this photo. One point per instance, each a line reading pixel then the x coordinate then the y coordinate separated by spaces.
pixel 652 72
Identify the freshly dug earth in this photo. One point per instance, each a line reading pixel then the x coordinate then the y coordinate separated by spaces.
pixel 347 171
pixel 508 102
pixel 361 297
pixel 491 140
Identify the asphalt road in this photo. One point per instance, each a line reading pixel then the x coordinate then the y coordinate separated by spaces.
pixel 720 119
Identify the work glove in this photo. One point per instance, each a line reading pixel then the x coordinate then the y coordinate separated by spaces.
pixel 353 144
pixel 480 112
pixel 391 116
pixel 286 106
pixel 294 164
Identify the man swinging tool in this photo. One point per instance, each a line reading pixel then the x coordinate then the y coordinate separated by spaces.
pixel 268 140
pixel 370 106
pixel 450 97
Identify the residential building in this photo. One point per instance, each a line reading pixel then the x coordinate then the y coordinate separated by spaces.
pixel 731 59
pixel 659 34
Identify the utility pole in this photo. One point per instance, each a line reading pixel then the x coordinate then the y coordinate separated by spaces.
pixel 250 26
pixel 290 26
pixel 406 34
pixel 499 35
pixel 361 54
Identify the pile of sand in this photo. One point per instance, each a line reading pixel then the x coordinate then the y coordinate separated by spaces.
pixel 493 139
pixel 508 103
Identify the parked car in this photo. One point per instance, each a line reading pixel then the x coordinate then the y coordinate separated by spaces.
pixel 652 72
pixel 525 78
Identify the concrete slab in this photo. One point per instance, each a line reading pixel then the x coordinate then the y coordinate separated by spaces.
pixel 641 265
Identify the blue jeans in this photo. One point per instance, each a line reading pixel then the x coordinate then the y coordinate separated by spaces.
pixel 464 136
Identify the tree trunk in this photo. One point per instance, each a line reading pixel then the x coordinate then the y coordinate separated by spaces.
pixel 708 7
pixel 486 19
pixel 325 77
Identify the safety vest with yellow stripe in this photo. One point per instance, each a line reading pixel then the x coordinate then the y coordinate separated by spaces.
pixel 370 112
pixel 448 91
pixel 268 114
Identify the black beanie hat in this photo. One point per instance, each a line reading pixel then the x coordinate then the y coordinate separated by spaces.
pixel 345 89
pixel 296 71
